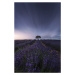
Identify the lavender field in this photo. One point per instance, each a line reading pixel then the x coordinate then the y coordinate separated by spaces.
pixel 37 56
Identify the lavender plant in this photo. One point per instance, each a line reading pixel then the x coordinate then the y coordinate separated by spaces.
pixel 37 58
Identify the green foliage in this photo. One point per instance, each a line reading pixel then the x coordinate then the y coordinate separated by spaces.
pixel 37 37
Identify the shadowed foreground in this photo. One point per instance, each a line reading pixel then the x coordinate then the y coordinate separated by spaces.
pixel 36 56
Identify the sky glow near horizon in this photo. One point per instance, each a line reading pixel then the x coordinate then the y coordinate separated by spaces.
pixel 32 19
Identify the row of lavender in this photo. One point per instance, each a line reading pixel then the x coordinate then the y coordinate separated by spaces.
pixel 22 44
pixel 37 58
pixel 54 44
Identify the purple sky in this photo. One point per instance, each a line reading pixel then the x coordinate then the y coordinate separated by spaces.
pixel 31 19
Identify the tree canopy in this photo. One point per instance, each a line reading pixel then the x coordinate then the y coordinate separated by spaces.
pixel 37 37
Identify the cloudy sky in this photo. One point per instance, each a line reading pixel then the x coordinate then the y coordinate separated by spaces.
pixel 32 19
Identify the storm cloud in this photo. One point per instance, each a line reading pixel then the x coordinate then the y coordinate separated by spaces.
pixel 42 19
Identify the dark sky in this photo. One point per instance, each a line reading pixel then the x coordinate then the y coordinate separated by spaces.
pixel 33 19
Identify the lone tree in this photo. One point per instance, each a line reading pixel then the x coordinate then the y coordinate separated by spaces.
pixel 38 37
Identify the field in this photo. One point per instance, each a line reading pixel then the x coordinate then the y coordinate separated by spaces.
pixel 37 56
